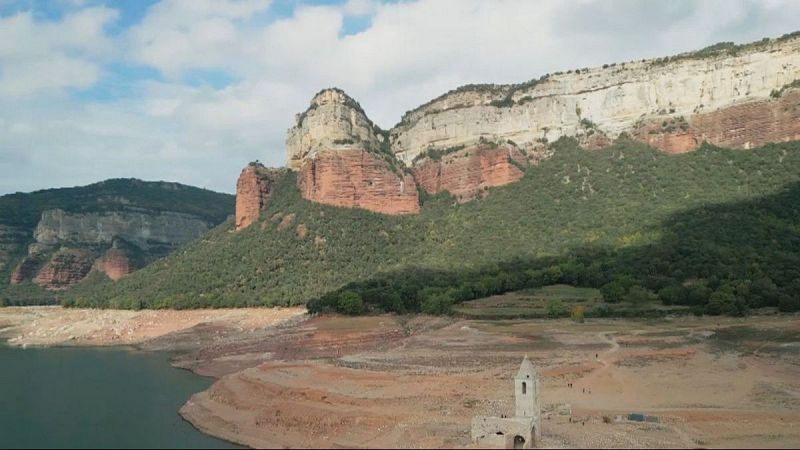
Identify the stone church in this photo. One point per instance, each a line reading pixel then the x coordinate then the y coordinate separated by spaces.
pixel 524 429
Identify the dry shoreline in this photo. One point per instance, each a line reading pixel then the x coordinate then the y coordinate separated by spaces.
pixel 285 379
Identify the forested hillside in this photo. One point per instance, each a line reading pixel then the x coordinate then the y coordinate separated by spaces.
pixel 714 229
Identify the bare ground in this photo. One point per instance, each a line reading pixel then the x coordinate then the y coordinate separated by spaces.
pixel 704 379
pixel 287 380
pixel 53 325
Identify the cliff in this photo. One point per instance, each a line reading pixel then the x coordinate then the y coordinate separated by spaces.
pixel 67 246
pixel 707 89
pixel 343 159
pixel 113 227
pixel 253 190
pixel 482 136
pixel 468 172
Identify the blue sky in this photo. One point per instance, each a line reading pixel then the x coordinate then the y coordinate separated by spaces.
pixel 191 90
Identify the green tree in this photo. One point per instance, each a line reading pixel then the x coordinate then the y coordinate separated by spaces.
pixel 638 296
pixel 554 308
pixel 613 291
pixel 350 303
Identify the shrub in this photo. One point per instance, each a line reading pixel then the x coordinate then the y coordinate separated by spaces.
pixel 350 303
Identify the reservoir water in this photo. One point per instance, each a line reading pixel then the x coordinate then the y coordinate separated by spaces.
pixel 95 398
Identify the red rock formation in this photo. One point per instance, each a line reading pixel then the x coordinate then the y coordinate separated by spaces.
pixel 252 194
pixel 467 172
pixel 745 125
pixel 670 135
pixel 115 263
pixel 26 270
pixel 752 124
pixel 64 268
pixel 357 179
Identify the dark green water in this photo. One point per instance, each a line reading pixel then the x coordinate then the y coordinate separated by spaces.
pixel 90 398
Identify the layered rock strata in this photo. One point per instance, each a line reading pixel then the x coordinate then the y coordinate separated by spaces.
pixel 358 179
pixel 701 87
pixel 145 229
pixel 64 268
pixel 731 96
pixel 343 159
pixel 68 246
pixel 469 172
pixel 253 190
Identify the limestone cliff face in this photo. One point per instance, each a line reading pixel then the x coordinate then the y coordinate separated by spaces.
pixel 253 190
pixel 68 246
pixel 143 228
pixel 357 179
pixel 333 121
pixel 468 172
pixel 343 158
pixel 731 96
pixel 710 92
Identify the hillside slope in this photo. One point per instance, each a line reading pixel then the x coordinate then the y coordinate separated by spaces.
pixel 607 201
pixel 52 239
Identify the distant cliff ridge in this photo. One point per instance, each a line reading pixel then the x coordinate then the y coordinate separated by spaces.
pixel 480 136
pixel 56 238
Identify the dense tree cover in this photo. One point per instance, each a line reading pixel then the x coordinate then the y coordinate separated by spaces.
pixel 25 209
pixel 714 229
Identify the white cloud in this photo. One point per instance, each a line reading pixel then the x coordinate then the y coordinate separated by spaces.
pixel 179 35
pixel 49 56
pixel 411 52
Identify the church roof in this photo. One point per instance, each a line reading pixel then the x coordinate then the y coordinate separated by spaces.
pixel 526 369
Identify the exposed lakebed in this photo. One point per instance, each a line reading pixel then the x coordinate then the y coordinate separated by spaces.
pixel 96 397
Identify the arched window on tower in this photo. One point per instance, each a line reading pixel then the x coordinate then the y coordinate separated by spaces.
pixel 524 387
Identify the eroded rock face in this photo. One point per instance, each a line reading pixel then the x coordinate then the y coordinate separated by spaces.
pixel 333 121
pixel 616 98
pixel 68 245
pixel 65 267
pixel 145 229
pixel 27 269
pixel 467 173
pixel 754 123
pixel 357 179
pixel 732 98
pixel 253 190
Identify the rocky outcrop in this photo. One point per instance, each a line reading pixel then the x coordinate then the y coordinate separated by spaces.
pixel 115 263
pixel 358 179
pixel 754 123
pixel 120 260
pixel 343 158
pixel 144 229
pixel 68 245
pixel 64 268
pixel 332 121
pixel 732 96
pixel 253 190
pixel 27 269
pixel 469 172
pixel 706 88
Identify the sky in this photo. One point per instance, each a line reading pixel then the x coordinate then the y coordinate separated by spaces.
pixel 192 90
